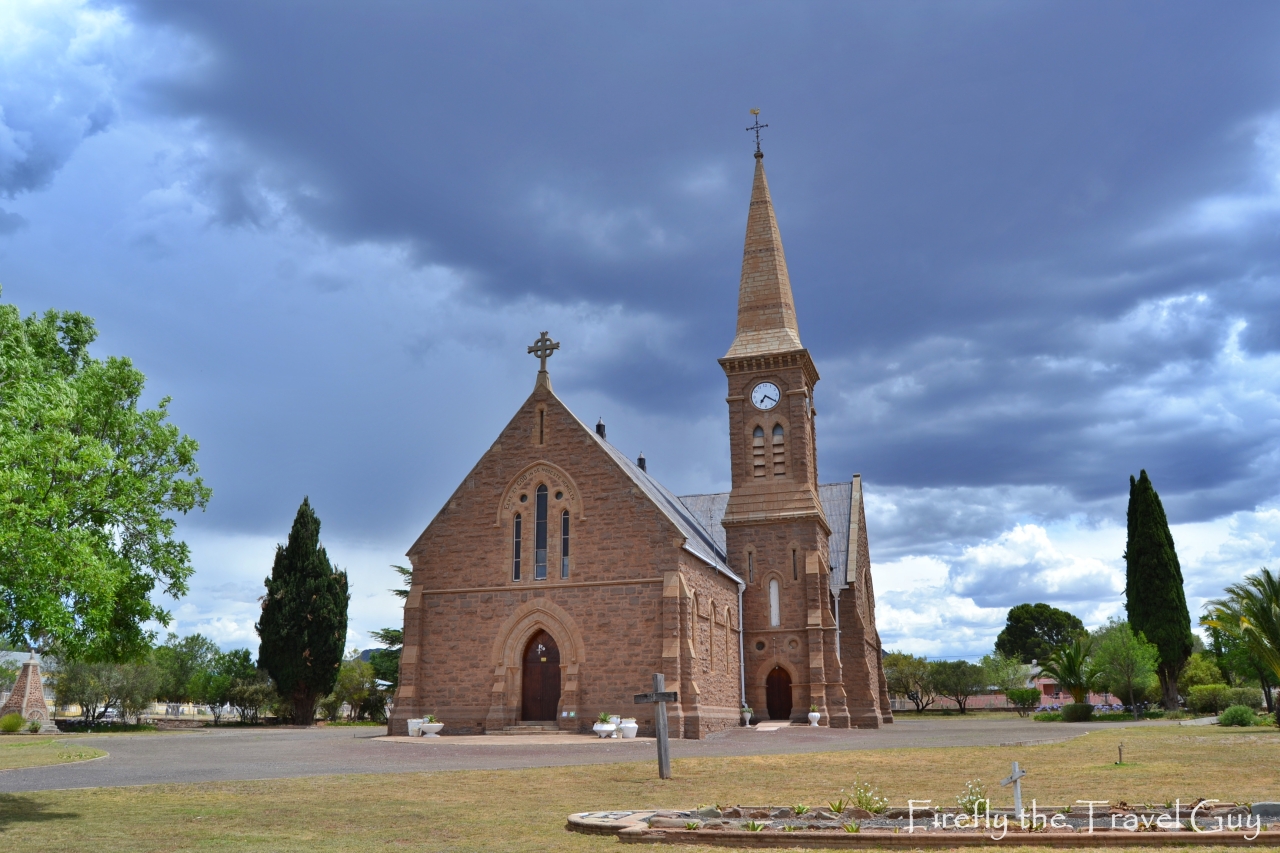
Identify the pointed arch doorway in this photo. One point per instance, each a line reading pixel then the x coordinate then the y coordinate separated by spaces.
pixel 540 685
pixel 777 690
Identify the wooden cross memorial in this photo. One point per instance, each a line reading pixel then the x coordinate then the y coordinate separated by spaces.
pixel 660 698
pixel 1015 779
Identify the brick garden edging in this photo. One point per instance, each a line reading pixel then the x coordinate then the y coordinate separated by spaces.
pixel 668 827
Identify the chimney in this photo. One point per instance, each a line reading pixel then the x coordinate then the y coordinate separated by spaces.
pixel 640 462
pixel 600 427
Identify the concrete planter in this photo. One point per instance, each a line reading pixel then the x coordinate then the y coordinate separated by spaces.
pixel 432 729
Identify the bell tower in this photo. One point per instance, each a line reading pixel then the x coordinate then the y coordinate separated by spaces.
pixel 777 535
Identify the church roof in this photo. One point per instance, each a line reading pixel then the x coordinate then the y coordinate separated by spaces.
pixel 699 540
pixel 766 309
pixel 840 502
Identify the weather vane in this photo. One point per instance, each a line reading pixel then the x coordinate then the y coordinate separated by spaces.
pixel 755 111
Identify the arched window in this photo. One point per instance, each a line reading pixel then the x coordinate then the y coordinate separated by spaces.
pixel 515 558
pixel 779 456
pixel 540 536
pixel 711 636
pixel 775 605
pixel 757 451
pixel 564 544
pixel 751 567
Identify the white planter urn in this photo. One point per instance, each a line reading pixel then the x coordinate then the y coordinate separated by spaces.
pixel 746 719
pixel 432 729
pixel 814 716
pixel 616 719
pixel 628 727
pixel 604 729
pixel 415 727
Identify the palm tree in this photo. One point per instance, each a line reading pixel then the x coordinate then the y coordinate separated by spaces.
pixel 1251 611
pixel 1070 666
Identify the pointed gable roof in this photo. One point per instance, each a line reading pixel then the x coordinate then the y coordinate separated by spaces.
pixel 766 308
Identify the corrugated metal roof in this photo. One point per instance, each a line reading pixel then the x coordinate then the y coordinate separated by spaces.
pixel 836 498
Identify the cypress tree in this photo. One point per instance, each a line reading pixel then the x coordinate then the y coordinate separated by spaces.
pixel 1154 598
pixel 303 627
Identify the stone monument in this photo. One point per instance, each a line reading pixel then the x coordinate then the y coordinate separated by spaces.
pixel 27 697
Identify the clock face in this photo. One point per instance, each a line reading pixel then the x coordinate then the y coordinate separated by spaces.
pixel 765 396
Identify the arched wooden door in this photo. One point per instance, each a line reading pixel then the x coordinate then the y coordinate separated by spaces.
pixel 777 689
pixel 540 690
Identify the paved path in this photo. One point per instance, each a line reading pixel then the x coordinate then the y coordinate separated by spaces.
pixel 209 755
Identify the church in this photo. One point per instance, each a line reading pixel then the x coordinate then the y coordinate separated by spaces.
pixel 560 576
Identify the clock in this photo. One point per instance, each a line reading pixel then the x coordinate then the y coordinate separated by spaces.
pixel 765 396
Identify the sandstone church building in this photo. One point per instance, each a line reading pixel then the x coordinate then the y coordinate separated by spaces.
pixel 560 576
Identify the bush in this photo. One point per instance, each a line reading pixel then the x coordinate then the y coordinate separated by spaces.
pixel 1025 699
pixel 1237 715
pixel 1208 698
pixel 11 723
pixel 1077 712
pixel 1048 717
pixel 1250 697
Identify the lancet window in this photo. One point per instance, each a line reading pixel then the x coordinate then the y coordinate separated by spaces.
pixel 779 452
pixel 515 548
pixel 564 544
pixel 775 603
pixel 540 535
pixel 757 451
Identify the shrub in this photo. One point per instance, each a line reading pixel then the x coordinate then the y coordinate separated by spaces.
pixel 973 795
pixel 10 723
pixel 865 796
pixel 1250 697
pixel 1048 717
pixel 1077 712
pixel 1237 715
pixel 1025 699
pixel 1207 698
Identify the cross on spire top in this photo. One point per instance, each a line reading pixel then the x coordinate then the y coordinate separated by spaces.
pixel 543 347
pixel 755 111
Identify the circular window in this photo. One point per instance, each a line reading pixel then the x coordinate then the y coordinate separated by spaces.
pixel 524 499
pixel 793 645
pixel 760 646
pixel 559 496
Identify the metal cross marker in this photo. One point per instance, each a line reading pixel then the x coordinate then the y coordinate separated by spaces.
pixel 1015 779
pixel 660 698
pixel 756 127
pixel 542 348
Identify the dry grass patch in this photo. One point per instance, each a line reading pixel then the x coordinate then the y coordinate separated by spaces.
pixel 29 751
pixel 525 810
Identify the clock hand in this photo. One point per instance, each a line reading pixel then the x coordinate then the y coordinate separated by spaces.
pixel 770 399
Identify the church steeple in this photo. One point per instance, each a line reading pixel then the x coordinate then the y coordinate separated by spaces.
pixel 766 309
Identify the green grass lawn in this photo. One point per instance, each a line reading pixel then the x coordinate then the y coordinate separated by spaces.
pixel 525 810
pixel 33 751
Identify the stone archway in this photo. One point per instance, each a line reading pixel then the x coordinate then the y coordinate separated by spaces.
pixel 513 640
pixel 540 679
pixel 777 688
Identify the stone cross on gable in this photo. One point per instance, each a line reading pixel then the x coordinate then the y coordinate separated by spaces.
pixel 543 347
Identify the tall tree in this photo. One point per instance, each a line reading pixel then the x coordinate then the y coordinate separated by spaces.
pixel 1154 597
pixel 303 627
pixel 958 680
pixel 908 675
pixel 1032 631
pixel 90 483
pixel 1125 663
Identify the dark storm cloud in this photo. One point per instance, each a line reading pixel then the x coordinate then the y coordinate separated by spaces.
pixel 995 214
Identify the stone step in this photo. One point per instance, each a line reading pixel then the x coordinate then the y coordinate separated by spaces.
pixel 531 729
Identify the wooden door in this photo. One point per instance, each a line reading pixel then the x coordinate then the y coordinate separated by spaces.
pixel 777 688
pixel 540 691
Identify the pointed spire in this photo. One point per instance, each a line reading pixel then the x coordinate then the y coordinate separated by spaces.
pixel 766 309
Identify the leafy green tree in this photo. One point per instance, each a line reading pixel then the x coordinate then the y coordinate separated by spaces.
pixel 1071 668
pixel 90 483
pixel 386 662
pixel 249 696
pixel 958 680
pixel 1250 610
pixel 136 690
pixel 908 675
pixel 357 687
pixel 179 660
pixel 1032 631
pixel 1125 663
pixel 8 675
pixel 1199 669
pixel 99 687
pixel 304 619
pixel 1237 662
pixel 1154 597
pixel 1004 673
pixel 213 684
pixel 1024 699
